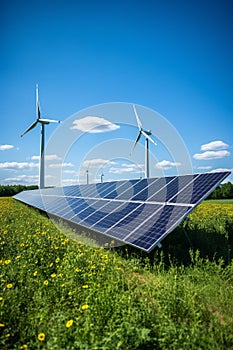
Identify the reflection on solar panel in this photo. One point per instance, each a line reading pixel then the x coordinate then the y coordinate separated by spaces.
pixel 137 212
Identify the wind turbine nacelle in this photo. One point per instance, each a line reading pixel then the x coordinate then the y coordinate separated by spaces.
pixel 148 132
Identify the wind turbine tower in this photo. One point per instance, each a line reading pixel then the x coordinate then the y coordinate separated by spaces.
pixel 147 134
pixel 42 123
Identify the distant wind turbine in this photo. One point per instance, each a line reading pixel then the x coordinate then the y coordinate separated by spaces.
pixel 42 122
pixel 146 134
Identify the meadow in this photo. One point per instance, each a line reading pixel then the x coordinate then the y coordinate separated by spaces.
pixel 58 293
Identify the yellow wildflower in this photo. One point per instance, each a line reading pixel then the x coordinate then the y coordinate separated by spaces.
pixel 2 325
pixel 85 286
pixel 9 285
pixel 85 307
pixel 7 262
pixel 46 282
pixel 35 273
pixel 41 336
pixel 69 323
pixel 53 275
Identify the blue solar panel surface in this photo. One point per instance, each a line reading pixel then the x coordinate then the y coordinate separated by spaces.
pixel 137 212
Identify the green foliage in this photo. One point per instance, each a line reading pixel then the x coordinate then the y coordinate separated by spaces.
pixel 225 191
pixel 57 293
pixel 11 190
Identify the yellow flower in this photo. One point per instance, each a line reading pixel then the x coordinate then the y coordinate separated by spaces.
pixel 53 275
pixel 9 285
pixel 41 336
pixel 24 346
pixel 35 273
pixel 1 298
pixel 85 286
pixel 63 284
pixel 2 325
pixel 69 323
pixel 77 270
pixel 18 256
pixel 85 307
pixel 7 262
pixel 57 260
pixel 46 282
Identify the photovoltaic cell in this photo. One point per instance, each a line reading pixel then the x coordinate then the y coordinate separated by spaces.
pixel 138 212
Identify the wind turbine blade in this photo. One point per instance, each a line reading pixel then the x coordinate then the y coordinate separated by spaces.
pixel 30 128
pixel 136 141
pixel 137 117
pixel 148 137
pixel 49 121
pixel 37 102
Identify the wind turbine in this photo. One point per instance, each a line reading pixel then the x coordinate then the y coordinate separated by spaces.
pixel 146 134
pixel 42 123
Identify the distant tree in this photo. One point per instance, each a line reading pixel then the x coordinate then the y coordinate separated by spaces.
pixel 11 190
pixel 224 191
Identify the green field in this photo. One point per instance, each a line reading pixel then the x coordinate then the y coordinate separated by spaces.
pixel 57 293
pixel 219 201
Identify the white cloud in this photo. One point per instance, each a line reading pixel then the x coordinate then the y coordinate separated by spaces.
pixel 208 167
pixel 166 164
pixel 67 182
pixel 24 179
pixel 47 157
pixel 18 165
pixel 114 170
pixel 221 170
pixel 21 179
pixel 94 125
pixel 97 163
pixel 214 145
pixel 127 168
pixel 69 171
pixel 136 166
pixel 59 165
pixel 6 147
pixel 211 155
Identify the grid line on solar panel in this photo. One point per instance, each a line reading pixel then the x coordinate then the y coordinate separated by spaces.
pixel 170 189
pixel 104 219
pixel 116 216
pixel 178 198
pixel 156 226
pixel 134 219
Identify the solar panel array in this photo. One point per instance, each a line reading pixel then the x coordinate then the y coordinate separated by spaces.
pixel 137 212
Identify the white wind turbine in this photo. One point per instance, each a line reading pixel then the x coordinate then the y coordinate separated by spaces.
pixel 146 134
pixel 42 123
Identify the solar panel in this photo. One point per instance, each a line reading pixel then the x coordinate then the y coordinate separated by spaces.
pixel 136 212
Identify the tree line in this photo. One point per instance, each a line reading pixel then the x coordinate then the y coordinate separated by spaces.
pixel 11 190
pixel 224 191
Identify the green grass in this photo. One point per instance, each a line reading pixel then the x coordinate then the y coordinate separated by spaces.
pixel 219 201
pixel 57 293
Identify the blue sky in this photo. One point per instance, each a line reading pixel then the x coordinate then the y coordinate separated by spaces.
pixel 173 57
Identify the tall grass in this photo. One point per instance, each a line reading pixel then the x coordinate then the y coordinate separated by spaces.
pixel 57 293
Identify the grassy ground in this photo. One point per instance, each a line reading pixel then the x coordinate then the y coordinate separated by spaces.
pixel 219 201
pixel 57 293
